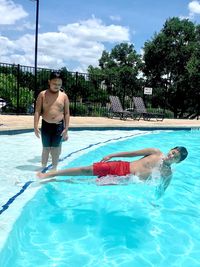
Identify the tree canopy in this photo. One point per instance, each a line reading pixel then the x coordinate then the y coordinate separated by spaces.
pixel 171 62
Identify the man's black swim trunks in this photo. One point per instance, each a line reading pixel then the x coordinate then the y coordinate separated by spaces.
pixel 51 133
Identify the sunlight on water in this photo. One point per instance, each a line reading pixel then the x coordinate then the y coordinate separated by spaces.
pixel 83 224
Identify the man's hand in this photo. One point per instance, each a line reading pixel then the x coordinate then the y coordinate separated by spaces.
pixel 37 132
pixel 64 135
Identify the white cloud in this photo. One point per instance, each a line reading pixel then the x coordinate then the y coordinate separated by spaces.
pixel 81 43
pixel 26 26
pixel 115 18
pixel 194 7
pixel 94 29
pixel 11 12
pixel 6 46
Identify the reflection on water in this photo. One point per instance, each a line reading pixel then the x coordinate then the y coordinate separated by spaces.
pixel 83 224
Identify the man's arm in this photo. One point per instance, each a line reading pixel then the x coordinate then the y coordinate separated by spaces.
pixel 37 114
pixel 137 153
pixel 66 118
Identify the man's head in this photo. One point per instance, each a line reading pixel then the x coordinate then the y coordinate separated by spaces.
pixel 177 154
pixel 55 81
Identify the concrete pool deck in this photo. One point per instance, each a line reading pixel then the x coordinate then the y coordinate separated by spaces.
pixel 25 122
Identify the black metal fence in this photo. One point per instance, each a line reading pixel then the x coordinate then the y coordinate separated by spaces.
pixel 88 94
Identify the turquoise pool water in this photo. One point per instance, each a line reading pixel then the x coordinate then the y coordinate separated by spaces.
pixel 87 225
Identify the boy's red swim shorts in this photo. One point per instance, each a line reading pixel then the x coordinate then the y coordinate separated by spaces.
pixel 119 168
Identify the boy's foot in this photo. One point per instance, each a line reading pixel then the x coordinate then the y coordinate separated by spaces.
pixel 42 175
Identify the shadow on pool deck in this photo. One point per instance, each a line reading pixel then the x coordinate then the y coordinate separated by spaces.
pixel 25 122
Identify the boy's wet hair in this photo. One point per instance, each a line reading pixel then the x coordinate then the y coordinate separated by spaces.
pixel 55 75
pixel 183 152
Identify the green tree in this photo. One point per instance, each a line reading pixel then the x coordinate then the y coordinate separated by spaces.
pixel 19 98
pixel 166 58
pixel 193 67
pixel 119 70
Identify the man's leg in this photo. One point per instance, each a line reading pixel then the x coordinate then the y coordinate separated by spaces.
pixel 80 171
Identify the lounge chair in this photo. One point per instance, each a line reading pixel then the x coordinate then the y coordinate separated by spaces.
pixel 141 109
pixel 117 110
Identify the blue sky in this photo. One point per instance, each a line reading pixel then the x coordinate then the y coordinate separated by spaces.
pixel 73 34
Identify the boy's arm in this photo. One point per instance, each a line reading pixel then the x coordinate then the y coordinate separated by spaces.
pixel 160 189
pixel 142 152
pixel 66 118
pixel 38 109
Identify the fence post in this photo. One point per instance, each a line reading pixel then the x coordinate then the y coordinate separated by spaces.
pixel 18 88
pixel 76 88
pixel 35 86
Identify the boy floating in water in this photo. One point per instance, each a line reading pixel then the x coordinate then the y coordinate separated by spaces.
pixel 151 158
pixel 53 106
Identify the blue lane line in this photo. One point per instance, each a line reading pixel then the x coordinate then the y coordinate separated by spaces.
pixel 10 201
pixel 26 185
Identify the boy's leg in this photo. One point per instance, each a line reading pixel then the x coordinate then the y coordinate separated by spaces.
pixel 55 153
pixel 45 156
pixel 80 171
pixel 56 142
pixel 46 142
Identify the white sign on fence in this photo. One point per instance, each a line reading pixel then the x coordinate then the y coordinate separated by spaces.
pixel 147 90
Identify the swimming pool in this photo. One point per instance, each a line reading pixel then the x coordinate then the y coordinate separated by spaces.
pixel 86 225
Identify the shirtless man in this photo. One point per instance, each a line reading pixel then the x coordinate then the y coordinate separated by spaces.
pixel 53 106
pixel 151 158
